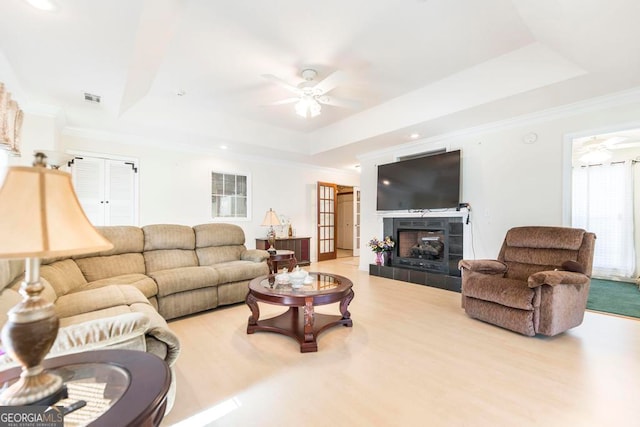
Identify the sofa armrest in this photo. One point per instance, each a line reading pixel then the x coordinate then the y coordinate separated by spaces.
pixel 118 331
pixel 125 331
pixel 255 255
pixel 557 277
pixel 484 266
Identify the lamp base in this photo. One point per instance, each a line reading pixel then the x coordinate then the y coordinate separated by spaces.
pixel 23 391
pixel 28 336
pixel 29 343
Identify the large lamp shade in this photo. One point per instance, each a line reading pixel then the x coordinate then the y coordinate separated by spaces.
pixel 40 216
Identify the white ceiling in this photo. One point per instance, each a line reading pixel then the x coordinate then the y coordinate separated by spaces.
pixel 426 66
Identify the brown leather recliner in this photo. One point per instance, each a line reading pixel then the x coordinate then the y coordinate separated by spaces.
pixel 538 285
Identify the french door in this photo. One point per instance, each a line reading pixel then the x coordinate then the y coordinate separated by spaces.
pixel 326 202
pixel 356 221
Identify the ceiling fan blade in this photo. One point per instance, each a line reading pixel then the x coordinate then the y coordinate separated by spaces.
pixel 285 101
pixel 624 145
pixel 610 142
pixel 337 102
pixel 282 83
pixel 330 82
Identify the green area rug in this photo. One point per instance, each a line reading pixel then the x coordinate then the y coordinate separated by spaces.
pixel 614 297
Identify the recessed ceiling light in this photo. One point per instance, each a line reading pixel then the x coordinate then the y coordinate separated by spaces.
pixel 223 147
pixel 414 136
pixel 46 5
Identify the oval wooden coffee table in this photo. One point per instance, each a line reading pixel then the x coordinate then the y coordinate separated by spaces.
pixel 304 325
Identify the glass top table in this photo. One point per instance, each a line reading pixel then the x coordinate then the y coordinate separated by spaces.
pixel 120 387
pixel 300 321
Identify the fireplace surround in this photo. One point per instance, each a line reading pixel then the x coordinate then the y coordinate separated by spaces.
pixel 427 251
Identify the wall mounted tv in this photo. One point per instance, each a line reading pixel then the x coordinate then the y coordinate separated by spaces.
pixel 429 182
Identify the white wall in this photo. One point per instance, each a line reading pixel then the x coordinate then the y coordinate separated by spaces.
pixel 507 182
pixel 175 186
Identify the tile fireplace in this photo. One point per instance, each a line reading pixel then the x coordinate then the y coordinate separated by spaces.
pixel 427 251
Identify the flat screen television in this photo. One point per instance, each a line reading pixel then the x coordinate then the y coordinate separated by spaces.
pixel 429 182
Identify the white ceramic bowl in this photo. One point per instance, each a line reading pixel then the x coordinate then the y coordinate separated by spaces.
pixel 297 278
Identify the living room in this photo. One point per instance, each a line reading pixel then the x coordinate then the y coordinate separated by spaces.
pixel 512 106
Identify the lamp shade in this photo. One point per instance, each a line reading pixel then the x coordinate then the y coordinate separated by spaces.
pixel 271 219
pixel 40 216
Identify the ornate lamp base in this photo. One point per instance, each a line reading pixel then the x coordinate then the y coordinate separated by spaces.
pixel 28 336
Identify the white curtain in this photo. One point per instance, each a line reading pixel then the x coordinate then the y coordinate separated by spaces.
pixel 602 203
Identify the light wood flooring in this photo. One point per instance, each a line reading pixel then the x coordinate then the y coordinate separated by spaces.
pixel 412 358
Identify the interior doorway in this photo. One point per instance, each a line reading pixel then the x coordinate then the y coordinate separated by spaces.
pixel 338 221
pixel 344 222
pixel 605 200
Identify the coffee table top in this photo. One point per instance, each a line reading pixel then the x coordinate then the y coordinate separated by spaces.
pixel 330 286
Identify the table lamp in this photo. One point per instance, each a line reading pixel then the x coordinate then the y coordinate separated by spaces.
pixel 271 219
pixel 40 217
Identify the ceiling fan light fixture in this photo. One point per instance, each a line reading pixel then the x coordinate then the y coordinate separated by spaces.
pixel 315 109
pixel 308 106
pixel 45 5
pixel 301 108
pixel 596 156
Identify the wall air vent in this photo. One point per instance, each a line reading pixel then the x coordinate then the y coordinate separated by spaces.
pixel 91 97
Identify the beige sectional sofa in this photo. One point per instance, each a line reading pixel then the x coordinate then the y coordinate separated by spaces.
pixel 121 298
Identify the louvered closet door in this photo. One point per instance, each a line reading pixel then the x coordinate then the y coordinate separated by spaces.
pixel 120 185
pixel 88 176
pixel 106 189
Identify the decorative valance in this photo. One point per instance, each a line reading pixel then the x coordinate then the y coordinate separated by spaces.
pixel 10 122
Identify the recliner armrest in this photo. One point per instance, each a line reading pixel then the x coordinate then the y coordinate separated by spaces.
pixel 557 277
pixel 484 266
pixel 255 255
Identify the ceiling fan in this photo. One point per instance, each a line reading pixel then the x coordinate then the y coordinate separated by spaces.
pixel 599 149
pixel 310 96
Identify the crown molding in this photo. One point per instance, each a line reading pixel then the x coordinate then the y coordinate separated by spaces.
pixel 141 141
pixel 613 100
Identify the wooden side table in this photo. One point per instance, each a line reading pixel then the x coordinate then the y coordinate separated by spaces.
pixel 121 387
pixel 300 245
pixel 281 255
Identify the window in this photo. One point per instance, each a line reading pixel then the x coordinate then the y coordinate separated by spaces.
pixel 230 195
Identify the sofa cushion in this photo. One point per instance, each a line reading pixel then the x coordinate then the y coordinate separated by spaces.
pixel 235 271
pixel 503 291
pixel 541 237
pixel 218 254
pixel 218 235
pixel 169 258
pixel 97 299
pixel 102 267
pixel 184 279
pixel 144 283
pixel 168 236
pixel 65 276
pixel 125 239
